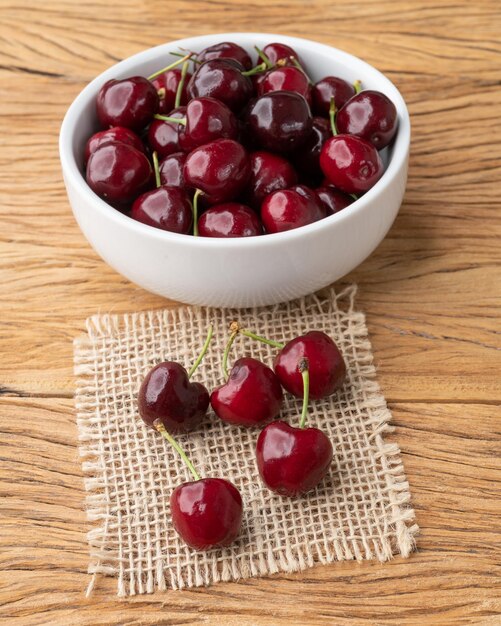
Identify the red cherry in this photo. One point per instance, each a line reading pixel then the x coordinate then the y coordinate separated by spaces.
pixel 223 80
pixel 230 219
pixel 280 52
pixel 131 102
pixel 333 200
pixel 290 208
pixel 207 513
pixel 207 119
pixel 167 208
pixel 307 158
pixel 163 136
pixel 327 89
pixel 220 169
pixel 116 134
pixel 327 369
pixel 171 170
pixel 269 172
pixel 118 172
pixel 285 79
pixel 167 83
pixel 167 394
pixel 252 395
pixel 226 50
pixel 370 115
pixel 292 461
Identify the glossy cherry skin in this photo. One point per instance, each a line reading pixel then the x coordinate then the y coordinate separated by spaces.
pixel 220 169
pixel 168 82
pixel 230 219
pixel 269 172
pixel 326 365
pixel 292 461
pixel 350 163
pixel 167 208
pixel 207 119
pixel 168 395
pixel 330 87
pixel 307 158
pixel 290 208
pixel 280 121
pixel 252 395
pixel 163 136
pixel 285 79
pixel 226 50
pixel 118 172
pixel 333 200
pixel 116 134
pixel 223 80
pixel 280 52
pixel 370 115
pixel 207 513
pixel 131 102
pixel 171 169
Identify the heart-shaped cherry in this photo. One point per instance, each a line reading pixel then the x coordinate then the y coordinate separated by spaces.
pixel 291 208
pixel 220 169
pixel 207 119
pixel 230 219
pixel 269 172
pixel 163 134
pixel 285 79
pixel 167 208
pixel 327 89
pixel 118 134
pixel 332 199
pixel 224 80
pixel 118 172
pixel 226 50
pixel 171 170
pixel 167 396
pixel 370 115
pixel 130 102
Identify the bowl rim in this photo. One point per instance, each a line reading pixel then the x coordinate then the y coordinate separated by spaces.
pixel 73 174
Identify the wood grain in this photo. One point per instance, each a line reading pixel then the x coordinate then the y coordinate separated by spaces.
pixel 431 293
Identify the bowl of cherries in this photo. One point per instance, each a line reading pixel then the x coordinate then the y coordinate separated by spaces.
pixel 237 169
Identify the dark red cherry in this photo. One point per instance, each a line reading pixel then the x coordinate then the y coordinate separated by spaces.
pixel 326 365
pixel 171 170
pixel 130 102
pixel 290 208
pixel 220 169
pixel 269 172
pixel 280 52
pixel 328 88
pixel 285 79
pixel 292 461
pixel 280 121
pixel 118 172
pixel 370 115
pixel 207 119
pixel 168 208
pixel 223 80
pixel 351 164
pixel 163 136
pixel 307 158
pixel 230 219
pixel 207 513
pixel 117 133
pixel 167 83
pixel 167 394
pixel 226 50
pixel 252 395
pixel 333 200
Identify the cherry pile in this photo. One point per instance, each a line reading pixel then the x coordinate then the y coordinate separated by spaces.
pixel 291 460
pixel 233 149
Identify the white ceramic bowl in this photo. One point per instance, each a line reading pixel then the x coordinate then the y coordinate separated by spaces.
pixel 245 271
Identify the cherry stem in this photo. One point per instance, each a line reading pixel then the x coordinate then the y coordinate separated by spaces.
pixel 166 118
pixel 205 347
pixel 234 332
pixel 332 116
pixel 263 57
pixel 171 66
pixel 358 86
pixel 297 64
pixel 354 196
pixel 198 193
pixel 193 59
pixel 179 91
pixel 156 169
pixel 251 335
pixel 262 67
pixel 159 427
pixel 161 93
pixel 303 368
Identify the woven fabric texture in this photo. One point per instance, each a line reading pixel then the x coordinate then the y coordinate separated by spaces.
pixel 361 510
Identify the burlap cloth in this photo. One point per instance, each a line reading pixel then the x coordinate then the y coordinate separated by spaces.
pixel 360 511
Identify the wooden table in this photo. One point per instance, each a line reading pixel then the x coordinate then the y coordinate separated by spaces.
pixel 431 293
